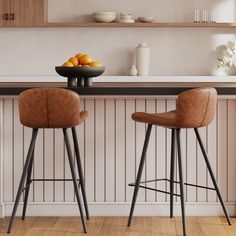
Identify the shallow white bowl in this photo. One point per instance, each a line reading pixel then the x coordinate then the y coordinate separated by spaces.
pixel 104 17
pixel 126 17
pixel 146 19
pixel 127 21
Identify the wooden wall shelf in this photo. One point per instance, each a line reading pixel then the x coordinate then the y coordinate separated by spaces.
pixel 126 25
pixel 129 25
pixel 154 25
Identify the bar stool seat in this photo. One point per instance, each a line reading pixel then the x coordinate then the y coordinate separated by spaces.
pixel 51 108
pixel 167 119
pixel 195 108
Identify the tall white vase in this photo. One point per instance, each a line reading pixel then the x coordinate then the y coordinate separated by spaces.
pixel 143 59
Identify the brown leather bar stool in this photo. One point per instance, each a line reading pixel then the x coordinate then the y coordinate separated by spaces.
pixel 51 108
pixel 195 109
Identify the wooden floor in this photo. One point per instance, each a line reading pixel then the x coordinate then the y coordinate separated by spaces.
pixel 114 226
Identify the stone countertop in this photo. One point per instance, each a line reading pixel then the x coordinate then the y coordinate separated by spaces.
pixel 126 79
pixel 110 89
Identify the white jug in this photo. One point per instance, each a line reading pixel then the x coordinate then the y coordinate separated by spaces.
pixel 143 59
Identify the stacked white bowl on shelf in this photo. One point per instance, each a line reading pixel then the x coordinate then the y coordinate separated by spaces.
pixel 126 18
pixel 104 17
pixel 145 19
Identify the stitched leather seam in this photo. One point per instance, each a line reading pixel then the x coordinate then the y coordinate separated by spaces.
pixel 209 95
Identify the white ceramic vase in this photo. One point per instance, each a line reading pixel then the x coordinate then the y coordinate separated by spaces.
pixel 220 72
pixel 133 71
pixel 142 59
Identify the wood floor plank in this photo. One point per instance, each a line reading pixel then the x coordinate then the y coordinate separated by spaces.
pixel 69 224
pixel 210 220
pixel 113 226
pixel 95 225
pixel 224 220
pixel 189 219
pixel 230 229
pixel 163 225
pixel 18 223
pixel 139 224
pixel 117 226
pixel 193 229
pixel 213 230
pixel 44 222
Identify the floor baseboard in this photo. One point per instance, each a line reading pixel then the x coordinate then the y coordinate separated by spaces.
pixel 117 209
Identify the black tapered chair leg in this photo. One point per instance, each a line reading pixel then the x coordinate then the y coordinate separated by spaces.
pixel 212 175
pixel 23 177
pixel 172 172
pixel 73 173
pixel 79 166
pixel 181 182
pixel 140 170
pixel 27 185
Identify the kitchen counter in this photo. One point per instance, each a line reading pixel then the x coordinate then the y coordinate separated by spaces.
pixel 111 145
pixel 115 88
pixel 127 79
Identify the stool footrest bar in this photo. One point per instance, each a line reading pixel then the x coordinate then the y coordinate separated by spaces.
pixel 176 182
pixel 34 180
pixel 156 190
pixel 42 180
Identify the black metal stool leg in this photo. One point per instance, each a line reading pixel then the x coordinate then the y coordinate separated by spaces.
pixel 27 185
pixel 73 173
pixel 212 175
pixel 79 166
pixel 140 170
pixel 181 182
pixel 23 177
pixel 172 172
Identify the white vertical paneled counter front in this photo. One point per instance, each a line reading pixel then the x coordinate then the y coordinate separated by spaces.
pixel 111 145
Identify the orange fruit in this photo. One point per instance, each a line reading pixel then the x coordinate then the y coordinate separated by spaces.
pixel 95 64
pixel 74 61
pixel 85 60
pixel 68 64
pixel 78 56
pixel 86 66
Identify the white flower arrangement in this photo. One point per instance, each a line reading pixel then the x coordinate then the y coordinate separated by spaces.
pixel 228 59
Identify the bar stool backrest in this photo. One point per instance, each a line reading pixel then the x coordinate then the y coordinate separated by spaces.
pixel 196 107
pixel 49 108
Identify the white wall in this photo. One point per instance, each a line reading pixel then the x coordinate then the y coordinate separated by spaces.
pixel 174 51
pixel 163 10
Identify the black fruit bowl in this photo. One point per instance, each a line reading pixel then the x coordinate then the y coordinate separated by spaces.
pixel 83 74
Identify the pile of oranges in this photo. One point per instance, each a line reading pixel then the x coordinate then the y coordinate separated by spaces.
pixel 82 60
